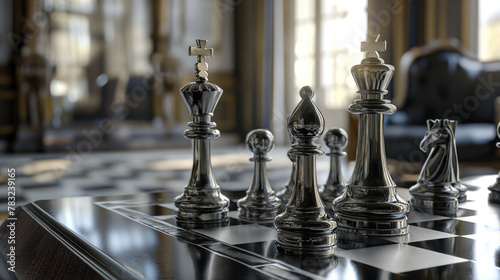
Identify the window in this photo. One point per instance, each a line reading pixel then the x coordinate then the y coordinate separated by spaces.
pixel 327 39
pixel 489 30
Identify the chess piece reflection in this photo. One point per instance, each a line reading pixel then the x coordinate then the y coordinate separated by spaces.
pixel 202 203
pixel 285 193
pixel 260 204
pixel 305 227
pixel 336 139
pixel 371 206
pixel 495 188
pixel 434 192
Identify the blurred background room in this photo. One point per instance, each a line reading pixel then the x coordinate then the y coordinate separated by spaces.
pixel 91 87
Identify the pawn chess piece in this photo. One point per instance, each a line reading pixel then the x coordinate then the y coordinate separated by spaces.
pixel 495 188
pixel 305 227
pixel 434 192
pixel 371 206
pixel 456 183
pixel 260 204
pixel 201 204
pixel 336 139
pixel 286 193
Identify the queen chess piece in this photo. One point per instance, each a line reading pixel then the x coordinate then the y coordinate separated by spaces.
pixel 286 193
pixel 201 204
pixel 434 192
pixel 260 204
pixel 305 228
pixel 336 139
pixel 495 188
pixel 371 206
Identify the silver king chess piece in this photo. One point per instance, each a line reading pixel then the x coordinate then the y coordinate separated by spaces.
pixel 456 182
pixel 285 193
pixel 495 188
pixel 336 139
pixel 260 204
pixel 371 206
pixel 202 203
pixel 305 227
pixel 434 192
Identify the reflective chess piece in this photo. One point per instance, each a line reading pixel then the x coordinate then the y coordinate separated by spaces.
pixel 260 204
pixel 305 227
pixel 371 206
pixel 201 204
pixel 456 182
pixel 336 139
pixel 434 192
pixel 495 188
pixel 285 193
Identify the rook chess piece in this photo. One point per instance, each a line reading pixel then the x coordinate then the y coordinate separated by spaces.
pixel 201 204
pixel 285 193
pixel 305 227
pixel 336 139
pixel 260 204
pixel 434 192
pixel 371 206
pixel 495 188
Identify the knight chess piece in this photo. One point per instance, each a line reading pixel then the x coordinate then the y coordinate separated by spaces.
pixel 286 193
pixel 305 227
pixel 260 204
pixel 434 192
pixel 456 182
pixel 201 204
pixel 495 188
pixel 336 139
pixel 371 206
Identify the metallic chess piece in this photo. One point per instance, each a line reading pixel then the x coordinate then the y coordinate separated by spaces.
pixel 286 193
pixel 495 188
pixel 434 192
pixel 305 227
pixel 202 202
pixel 260 204
pixel 371 206
pixel 336 139
pixel 456 183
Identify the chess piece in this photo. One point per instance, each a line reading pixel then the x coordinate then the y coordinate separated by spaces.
pixel 286 193
pixel 260 204
pixel 305 227
pixel 495 188
pixel 456 183
pixel 434 192
pixel 371 206
pixel 336 139
pixel 202 202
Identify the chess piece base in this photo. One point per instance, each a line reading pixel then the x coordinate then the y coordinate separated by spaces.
pixel 201 206
pixel 306 242
pixel 441 199
pixel 257 213
pixel 372 211
pixel 462 190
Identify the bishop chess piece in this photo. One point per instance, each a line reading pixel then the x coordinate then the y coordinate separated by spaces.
pixel 305 227
pixel 495 188
pixel 260 204
pixel 336 139
pixel 286 193
pixel 434 192
pixel 371 206
pixel 201 204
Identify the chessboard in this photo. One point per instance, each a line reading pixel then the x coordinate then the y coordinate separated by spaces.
pixel 136 237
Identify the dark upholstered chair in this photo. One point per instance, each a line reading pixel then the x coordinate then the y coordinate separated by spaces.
pixel 440 81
